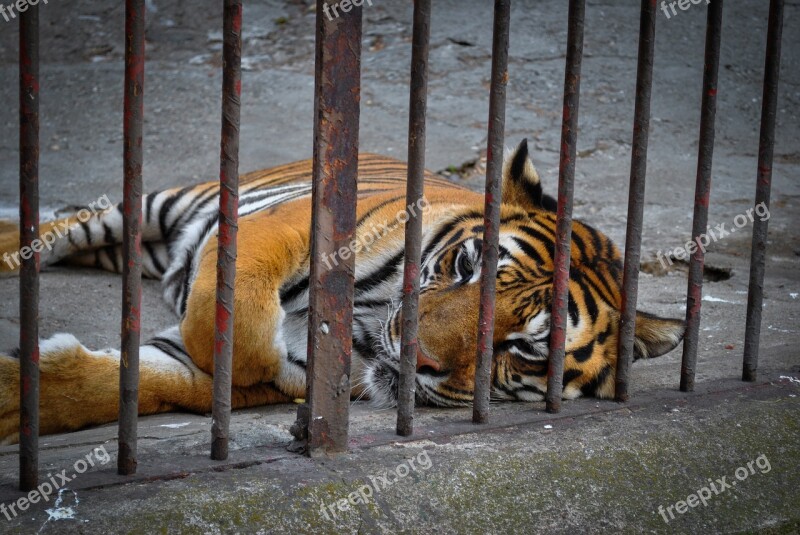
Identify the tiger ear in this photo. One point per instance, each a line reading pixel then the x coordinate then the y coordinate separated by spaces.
pixel 655 336
pixel 521 184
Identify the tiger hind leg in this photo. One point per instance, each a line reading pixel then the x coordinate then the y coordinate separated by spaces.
pixel 80 388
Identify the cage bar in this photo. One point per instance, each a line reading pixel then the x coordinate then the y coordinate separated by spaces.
pixel 491 217
pixel 335 169
pixel 413 231
pixel 228 217
pixel 566 178
pixel 633 235
pixel 758 251
pixel 29 231
pixel 694 294
pixel 131 237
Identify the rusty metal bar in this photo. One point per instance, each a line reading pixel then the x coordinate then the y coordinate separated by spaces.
pixel 694 294
pixel 566 178
pixel 131 237
pixel 228 217
pixel 414 198
pixel 633 236
pixel 335 169
pixel 769 104
pixel 491 216
pixel 29 231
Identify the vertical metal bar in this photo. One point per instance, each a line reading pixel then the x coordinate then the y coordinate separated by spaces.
pixel 702 193
pixel 414 196
pixel 769 104
pixel 491 216
pixel 566 178
pixel 335 169
pixel 29 231
pixel 633 235
pixel 131 238
pixel 228 217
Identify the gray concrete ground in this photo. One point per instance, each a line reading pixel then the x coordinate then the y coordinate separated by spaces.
pixel 518 478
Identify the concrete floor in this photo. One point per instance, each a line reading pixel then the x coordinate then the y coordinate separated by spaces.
pixel 82 151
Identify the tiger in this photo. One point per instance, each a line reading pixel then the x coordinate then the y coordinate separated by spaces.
pixel 79 387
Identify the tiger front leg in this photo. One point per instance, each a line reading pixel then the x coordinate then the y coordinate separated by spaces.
pixel 265 261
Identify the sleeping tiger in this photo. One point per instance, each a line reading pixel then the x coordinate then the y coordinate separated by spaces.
pixel 79 387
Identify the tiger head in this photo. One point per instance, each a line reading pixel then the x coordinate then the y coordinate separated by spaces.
pixel 450 299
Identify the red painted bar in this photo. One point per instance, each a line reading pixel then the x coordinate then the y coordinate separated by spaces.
pixel 228 217
pixel 633 235
pixel 491 217
pixel 335 170
pixel 566 178
pixel 29 231
pixel 131 237
pixel 414 194
pixel 702 194
pixel 758 251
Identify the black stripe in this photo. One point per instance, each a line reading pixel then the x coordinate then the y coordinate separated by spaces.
pixel 522 345
pixel 583 354
pixel 444 231
pixel 156 262
pixel 160 340
pixel 166 206
pixel 85 227
pixel 539 371
pixel 148 207
pixel 166 346
pixel 569 376
pixel 529 250
pixel 364 349
pixel 596 241
pixel 294 290
pixel 192 209
pixel 458 391
pixel 71 239
pixel 371 303
pixel 590 388
pixel 572 308
pixel 294 359
pixel 371 211
pixel 189 260
pixel 580 244
pixel 111 253
pixel 108 234
pixel 540 237
pixel 380 276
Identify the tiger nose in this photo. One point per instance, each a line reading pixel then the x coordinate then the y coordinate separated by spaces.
pixel 423 360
